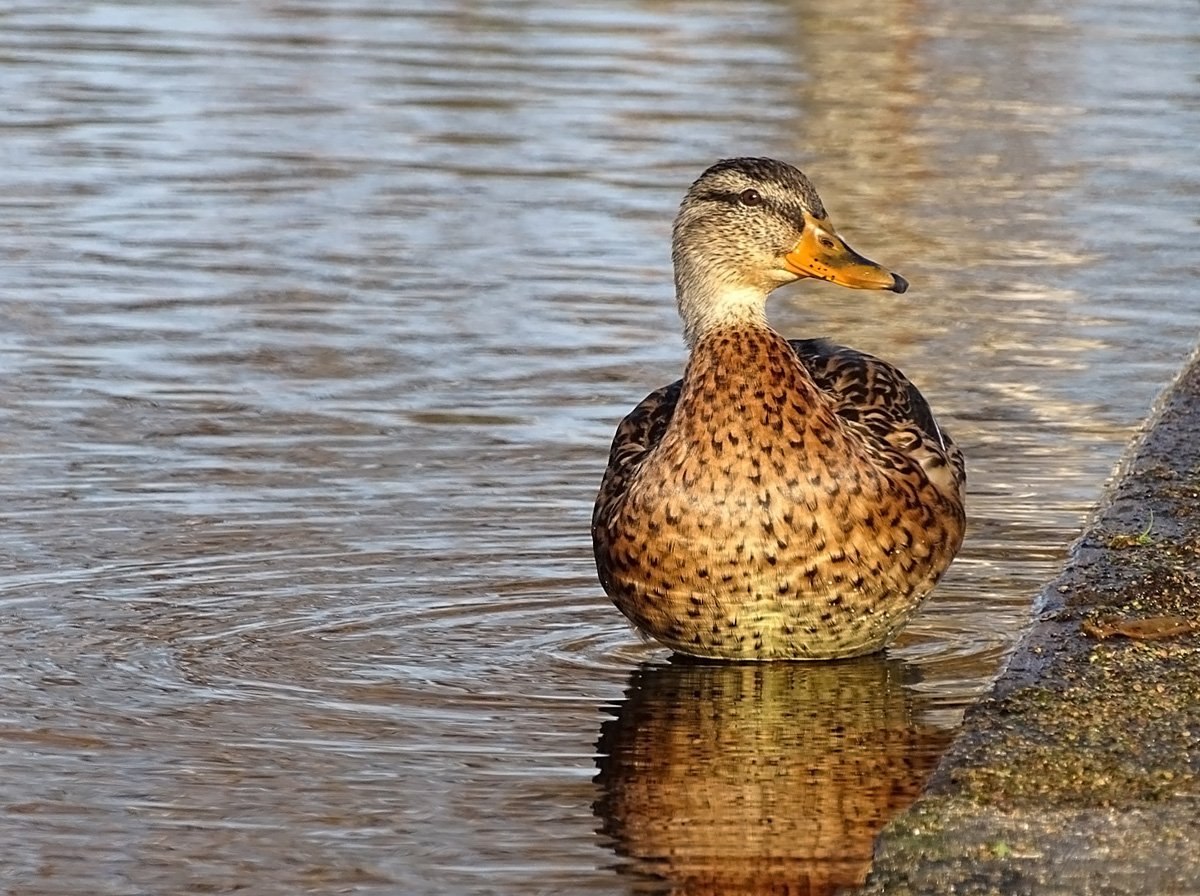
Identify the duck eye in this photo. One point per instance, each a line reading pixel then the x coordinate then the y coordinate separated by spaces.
pixel 750 198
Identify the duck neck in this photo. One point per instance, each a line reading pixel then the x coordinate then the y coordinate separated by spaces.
pixel 709 302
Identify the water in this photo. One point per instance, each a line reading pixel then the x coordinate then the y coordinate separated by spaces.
pixel 317 322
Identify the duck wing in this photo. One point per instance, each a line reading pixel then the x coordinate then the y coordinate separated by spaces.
pixel 637 434
pixel 881 402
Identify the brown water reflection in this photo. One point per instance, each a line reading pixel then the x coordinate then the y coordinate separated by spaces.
pixel 742 779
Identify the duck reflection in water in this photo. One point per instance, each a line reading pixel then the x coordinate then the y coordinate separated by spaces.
pixel 760 778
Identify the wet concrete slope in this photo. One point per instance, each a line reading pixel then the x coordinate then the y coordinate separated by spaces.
pixel 1080 774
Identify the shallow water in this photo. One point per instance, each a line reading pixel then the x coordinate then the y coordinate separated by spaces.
pixel 317 322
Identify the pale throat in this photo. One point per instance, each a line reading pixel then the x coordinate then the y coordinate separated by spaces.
pixel 711 306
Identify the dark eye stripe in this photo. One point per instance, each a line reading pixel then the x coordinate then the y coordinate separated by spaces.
pixel 731 197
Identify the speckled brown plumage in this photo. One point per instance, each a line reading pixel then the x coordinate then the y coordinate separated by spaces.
pixel 783 500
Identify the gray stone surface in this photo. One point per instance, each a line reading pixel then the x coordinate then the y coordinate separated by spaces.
pixel 1080 774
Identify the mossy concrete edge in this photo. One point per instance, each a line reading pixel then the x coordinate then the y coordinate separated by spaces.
pixel 1080 772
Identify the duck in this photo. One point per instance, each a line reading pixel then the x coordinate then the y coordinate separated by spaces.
pixel 786 499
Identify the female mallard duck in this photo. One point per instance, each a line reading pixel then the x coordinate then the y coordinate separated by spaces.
pixel 785 499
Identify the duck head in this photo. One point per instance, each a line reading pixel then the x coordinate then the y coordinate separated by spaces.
pixel 748 226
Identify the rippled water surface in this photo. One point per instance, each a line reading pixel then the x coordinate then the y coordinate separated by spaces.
pixel 318 317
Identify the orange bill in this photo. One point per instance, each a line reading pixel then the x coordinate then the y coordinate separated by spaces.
pixel 822 254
